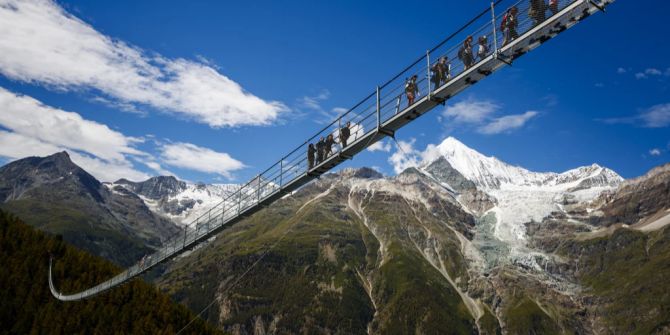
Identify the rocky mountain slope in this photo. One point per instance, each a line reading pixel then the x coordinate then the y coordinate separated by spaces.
pixel 55 195
pixel 176 200
pixel 463 243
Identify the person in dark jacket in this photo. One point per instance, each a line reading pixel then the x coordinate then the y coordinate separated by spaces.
pixel 345 132
pixel 553 6
pixel 310 155
pixel 483 47
pixel 320 146
pixel 328 146
pixel 441 72
pixel 537 11
pixel 411 90
pixel 465 53
pixel 509 25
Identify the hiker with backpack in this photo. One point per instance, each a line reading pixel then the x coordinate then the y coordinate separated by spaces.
pixel 328 146
pixel 411 90
pixel 509 24
pixel 320 146
pixel 441 72
pixel 483 47
pixel 465 53
pixel 310 155
pixel 537 11
pixel 553 6
pixel 345 132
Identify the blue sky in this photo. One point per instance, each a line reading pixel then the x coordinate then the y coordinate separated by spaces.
pixel 217 91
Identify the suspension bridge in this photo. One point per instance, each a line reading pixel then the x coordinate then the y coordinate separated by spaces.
pixel 377 116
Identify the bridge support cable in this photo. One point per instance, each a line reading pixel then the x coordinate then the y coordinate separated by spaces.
pixel 376 117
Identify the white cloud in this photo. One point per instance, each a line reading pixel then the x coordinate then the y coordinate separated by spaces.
pixel 27 116
pixel 506 123
pixel 37 129
pixel 655 152
pixel 653 72
pixel 16 146
pixel 155 166
pixel 648 73
pixel 480 114
pixel 383 146
pixel 34 129
pixel 657 116
pixel 314 102
pixel 471 111
pixel 42 43
pixel 405 156
pixel 621 70
pixel 193 157
pixel 108 170
pixel 314 105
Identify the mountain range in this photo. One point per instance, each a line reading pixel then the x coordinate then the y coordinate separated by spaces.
pixel 57 196
pixel 177 200
pixel 461 243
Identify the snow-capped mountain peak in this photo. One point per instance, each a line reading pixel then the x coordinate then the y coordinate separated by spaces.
pixel 486 172
pixel 177 200
pixel 520 195
pixel 490 173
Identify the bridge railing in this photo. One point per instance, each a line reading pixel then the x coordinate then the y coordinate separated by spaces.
pixel 386 101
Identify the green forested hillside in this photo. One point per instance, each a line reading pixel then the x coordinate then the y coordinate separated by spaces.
pixel 27 307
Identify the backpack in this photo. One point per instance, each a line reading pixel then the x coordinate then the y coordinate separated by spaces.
pixel 461 51
pixel 503 24
pixel 410 86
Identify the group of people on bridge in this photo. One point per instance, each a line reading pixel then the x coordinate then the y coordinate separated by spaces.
pixel 441 70
pixel 317 153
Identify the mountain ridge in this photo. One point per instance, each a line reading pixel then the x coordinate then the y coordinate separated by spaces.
pixel 55 195
pixel 489 172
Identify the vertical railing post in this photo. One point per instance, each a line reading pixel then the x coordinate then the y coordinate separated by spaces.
pixel 209 219
pixel 339 126
pixel 379 114
pixel 281 173
pixel 184 244
pixel 239 200
pixel 428 73
pixel 495 35
pixel 258 192
pixel 223 212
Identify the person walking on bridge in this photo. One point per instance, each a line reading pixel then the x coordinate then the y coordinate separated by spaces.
pixel 320 146
pixel 345 132
pixel 509 25
pixel 537 11
pixel 483 47
pixel 411 90
pixel 310 155
pixel 553 6
pixel 328 146
pixel 465 53
pixel 441 72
